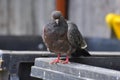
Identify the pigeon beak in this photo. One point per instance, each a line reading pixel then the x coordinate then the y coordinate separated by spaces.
pixel 57 21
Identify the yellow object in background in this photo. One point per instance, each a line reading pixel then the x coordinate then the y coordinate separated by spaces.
pixel 113 21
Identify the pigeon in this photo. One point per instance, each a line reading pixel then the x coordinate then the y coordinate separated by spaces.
pixel 76 40
pixel 62 37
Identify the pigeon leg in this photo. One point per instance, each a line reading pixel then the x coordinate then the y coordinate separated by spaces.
pixel 66 61
pixel 56 60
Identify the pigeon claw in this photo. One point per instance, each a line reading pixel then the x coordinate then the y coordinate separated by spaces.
pixel 65 62
pixel 55 61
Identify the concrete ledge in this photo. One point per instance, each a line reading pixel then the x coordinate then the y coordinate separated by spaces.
pixel 73 71
pixel 52 75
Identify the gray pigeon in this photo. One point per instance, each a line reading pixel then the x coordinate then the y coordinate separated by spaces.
pixel 76 40
pixel 61 37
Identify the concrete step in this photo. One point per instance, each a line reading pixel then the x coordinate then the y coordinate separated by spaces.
pixel 74 71
pixel 48 74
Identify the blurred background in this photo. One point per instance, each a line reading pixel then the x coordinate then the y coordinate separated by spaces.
pixel 27 17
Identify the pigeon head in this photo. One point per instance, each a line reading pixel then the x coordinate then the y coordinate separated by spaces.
pixel 56 16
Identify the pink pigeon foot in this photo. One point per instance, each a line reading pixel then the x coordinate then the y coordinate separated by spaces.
pixel 56 60
pixel 66 61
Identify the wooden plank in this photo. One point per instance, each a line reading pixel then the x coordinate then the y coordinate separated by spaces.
pixel 3 17
pixel 14 17
pixel 20 19
pixel 26 26
pixel 89 16
pixel 117 6
pixel 27 17
pixel 42 11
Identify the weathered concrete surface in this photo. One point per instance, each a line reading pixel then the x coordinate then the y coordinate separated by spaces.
pixel 48 74
pixel 72 71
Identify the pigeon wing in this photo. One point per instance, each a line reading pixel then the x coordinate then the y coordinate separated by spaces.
pixel 74 36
